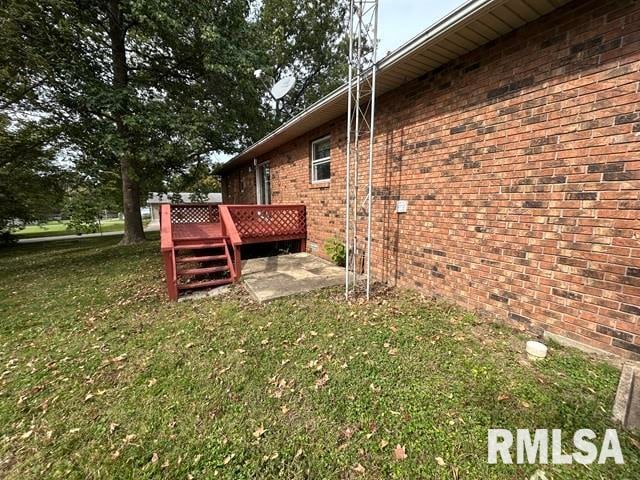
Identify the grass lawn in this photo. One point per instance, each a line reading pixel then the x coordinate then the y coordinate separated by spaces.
pixel 54 229
pixel 103 378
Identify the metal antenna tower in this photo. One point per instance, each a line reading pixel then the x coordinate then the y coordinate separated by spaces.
pixel 363 44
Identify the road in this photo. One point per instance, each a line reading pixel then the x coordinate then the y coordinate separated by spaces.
pixel 79 237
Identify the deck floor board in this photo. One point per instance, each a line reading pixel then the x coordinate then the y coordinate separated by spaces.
pixel 196 231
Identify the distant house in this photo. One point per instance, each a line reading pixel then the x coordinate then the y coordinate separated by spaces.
pixel 510 133
pixel 156 199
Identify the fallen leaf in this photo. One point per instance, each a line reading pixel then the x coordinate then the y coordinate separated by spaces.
pixel 228 458
pixel 152 382
pixel 113 426
pixel 399 452
pixel 321 382
pixel 359 469
pixel 383 443
pixel 154 458
pixel 440 461
pixel 259 432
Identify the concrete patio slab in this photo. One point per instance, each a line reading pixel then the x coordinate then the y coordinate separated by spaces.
pixel 268 278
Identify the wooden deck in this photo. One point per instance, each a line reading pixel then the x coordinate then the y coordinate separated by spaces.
pixel 206 238
pixel 184 232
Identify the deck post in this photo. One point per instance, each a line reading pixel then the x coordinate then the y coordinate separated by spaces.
pixel 169 270
pixel 237 262
pixel 166 247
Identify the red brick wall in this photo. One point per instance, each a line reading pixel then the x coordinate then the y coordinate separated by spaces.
pixel 521 165
pixel 239 186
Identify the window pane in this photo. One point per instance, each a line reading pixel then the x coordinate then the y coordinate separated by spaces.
pixel 322 171
pixel 321 149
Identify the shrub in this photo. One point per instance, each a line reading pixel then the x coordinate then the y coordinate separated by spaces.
pixel 336 251
pixel 7 238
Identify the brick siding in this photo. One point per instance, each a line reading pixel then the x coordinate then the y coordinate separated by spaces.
pixel 521 165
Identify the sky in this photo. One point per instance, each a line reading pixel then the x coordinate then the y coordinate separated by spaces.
pixel 399 21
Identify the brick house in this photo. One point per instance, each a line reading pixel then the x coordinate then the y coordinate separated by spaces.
pixel 512 128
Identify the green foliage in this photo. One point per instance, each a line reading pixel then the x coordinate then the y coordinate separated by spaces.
pixel 136 89
pixel 198 179
pixel 7 238
pixel 31 186
pixel 306 39
pixel 83 210
pixel 140 91
pixel 336 251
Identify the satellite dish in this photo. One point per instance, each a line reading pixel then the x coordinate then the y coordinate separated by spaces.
pixel 282 87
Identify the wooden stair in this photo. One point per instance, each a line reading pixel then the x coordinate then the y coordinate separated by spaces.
pixel 202 263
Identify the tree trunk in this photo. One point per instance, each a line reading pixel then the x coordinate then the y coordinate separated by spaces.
pixel 133 230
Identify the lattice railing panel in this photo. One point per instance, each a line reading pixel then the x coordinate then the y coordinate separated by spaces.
pixel 254 222
pixel 195 213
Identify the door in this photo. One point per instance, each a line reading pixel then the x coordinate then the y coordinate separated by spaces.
pixel 263 184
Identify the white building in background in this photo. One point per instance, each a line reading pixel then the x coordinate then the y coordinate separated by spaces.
pixel 156 199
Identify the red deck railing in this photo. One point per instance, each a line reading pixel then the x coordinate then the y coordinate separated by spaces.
pixel 269 223
pixel 236 225
pixel 195 213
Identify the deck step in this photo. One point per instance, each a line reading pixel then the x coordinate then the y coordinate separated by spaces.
pixel 204 258
pixel 198 246
pixel 201 271
pixel 204 284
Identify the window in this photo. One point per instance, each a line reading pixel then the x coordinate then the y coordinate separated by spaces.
pixel 321 160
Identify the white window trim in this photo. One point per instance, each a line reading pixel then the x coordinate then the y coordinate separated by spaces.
pixel 320 161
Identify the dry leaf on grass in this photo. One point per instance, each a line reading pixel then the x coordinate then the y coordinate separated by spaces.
pixel 399 452
pixel 440 461
pixel 322 381
pixel 359 469
pixel 383 443
pixel 259 431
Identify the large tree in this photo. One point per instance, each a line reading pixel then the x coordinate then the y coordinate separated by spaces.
pixel 140 86
pixel 139 90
